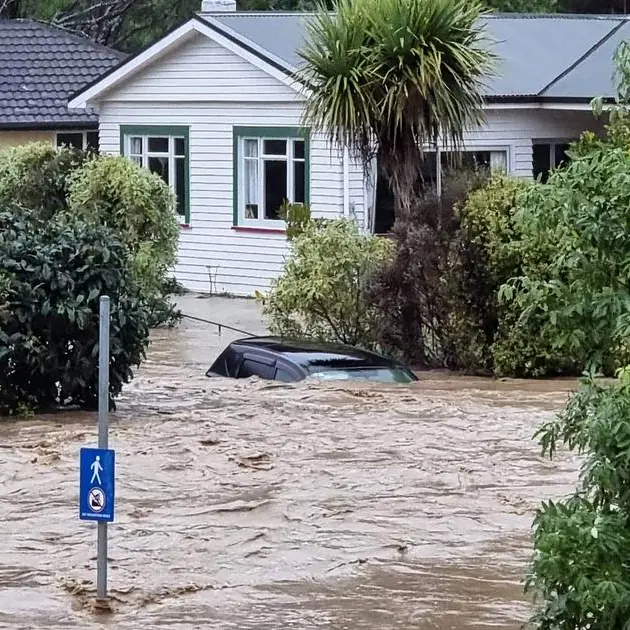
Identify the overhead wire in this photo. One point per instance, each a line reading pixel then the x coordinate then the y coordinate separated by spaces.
pixel 219 325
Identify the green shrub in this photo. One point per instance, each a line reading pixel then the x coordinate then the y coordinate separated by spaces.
pixel 321 293
pixel 580 298
pixel 52 273
pixel 579 576
pixel 120 193
pixel 423 296
pixel 36 176
pixel 112 191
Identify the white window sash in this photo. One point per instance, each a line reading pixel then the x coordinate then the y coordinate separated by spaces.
pixel 146 154
pixel 260 160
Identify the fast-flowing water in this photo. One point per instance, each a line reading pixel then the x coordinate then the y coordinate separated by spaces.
pixel 256 505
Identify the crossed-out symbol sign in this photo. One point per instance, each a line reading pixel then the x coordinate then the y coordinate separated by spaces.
pixel 96 500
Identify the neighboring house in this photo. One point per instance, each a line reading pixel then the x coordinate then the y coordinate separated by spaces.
pixel 213 107
pixel 40 68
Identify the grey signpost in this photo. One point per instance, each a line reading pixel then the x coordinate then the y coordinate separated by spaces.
pixel 103 430
pixel 97 466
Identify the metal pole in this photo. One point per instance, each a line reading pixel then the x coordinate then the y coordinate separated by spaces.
pixel 438 170
pixel 103 410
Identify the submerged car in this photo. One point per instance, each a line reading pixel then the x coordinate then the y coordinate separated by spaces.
pixel 292 360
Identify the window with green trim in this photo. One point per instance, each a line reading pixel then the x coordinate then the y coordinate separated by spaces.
pixel 271 166
pixel 164 151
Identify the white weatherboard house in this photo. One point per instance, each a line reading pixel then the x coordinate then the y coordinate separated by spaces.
pixel 214 109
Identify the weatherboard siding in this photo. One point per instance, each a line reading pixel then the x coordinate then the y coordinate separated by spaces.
pixel 213 256
pixel 518 129
pixel 203 70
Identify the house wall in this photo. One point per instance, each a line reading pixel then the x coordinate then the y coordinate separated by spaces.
pixel 16 138
pixel 516 129
pixel 213 90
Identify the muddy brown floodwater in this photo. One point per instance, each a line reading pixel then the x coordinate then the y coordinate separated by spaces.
pixel 254 505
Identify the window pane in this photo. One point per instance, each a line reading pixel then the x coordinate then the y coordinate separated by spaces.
pixel 159 165
pixel 275 187
pixel 92 140
pixel 298 149
pixel 251 189
pixel 180 185
pixel 541 160
pixel 71 140
pixel 299 182
pixel 135 146
pixel 498 161
pixel 158 145
pixel 275 147
pixel 137 159
pixel 251 148
pixel 180 146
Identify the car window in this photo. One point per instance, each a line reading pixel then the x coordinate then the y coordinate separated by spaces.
pixel 250 367
pixel 284 376
pixel 376 374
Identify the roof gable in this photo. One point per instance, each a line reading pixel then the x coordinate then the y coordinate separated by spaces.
pixel 40 68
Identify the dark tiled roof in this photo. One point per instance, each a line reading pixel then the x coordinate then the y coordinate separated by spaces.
pixel 540 56
pixel 40 68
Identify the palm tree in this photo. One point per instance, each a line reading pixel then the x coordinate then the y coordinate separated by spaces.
pixel 392 77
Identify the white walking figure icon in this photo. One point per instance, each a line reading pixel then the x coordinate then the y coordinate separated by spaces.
pixel 96 470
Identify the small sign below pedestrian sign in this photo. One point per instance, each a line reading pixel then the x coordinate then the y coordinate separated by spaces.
pixel 96 484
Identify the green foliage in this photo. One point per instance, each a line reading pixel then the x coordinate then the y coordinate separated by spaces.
pixel 321 293
pixel 37 177
pixel 118 192
pixel 112 191
pixel 430 298
pixel 490 220
pixel 581 295
pixel 388 77
pixel 52 273
pixel 580 575
pixel 297 217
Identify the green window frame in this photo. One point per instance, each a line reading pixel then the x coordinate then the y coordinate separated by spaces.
pixel 165 150
pixel 264 154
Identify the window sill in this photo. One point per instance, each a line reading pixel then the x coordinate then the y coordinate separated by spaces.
pixel 185 226
pixel 259 230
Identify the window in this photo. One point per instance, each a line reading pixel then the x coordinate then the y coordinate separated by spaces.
pixel 164 151
pixel 271 166
pixel 548 155
pixel 86 140
pixel 492 159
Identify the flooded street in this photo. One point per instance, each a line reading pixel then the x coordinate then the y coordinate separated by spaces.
pixel 256 505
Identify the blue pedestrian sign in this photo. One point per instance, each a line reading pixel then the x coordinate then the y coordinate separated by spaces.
pixel 96 484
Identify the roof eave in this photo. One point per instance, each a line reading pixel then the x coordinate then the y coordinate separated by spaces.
pixel 49 125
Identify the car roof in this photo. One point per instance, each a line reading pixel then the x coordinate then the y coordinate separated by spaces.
pixel 309 353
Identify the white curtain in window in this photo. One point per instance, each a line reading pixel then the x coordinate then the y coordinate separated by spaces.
pixel 498 161
pixel 251 179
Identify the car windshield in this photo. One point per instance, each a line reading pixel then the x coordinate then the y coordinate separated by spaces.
pixel 376 374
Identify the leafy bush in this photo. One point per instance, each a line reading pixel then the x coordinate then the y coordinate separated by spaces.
pixel 120 193
pixel 36 176
pixel 109 190
pixel 419 296
pixel 52 275
pixel 580 297
pixel 580 575
pixel 321 293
